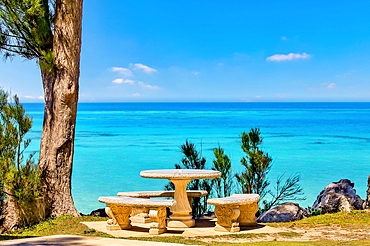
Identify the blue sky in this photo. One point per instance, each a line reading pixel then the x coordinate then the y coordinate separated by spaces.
pixel 252 51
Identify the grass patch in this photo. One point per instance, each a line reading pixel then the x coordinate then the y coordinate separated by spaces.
pixel 356 219
pixel 276 243
pixel 65 224
pixel 290 234
pixel 236 236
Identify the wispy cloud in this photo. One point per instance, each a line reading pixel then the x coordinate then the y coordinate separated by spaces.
pixel 33 97
pixel 124 71
pixel 148 86
pixel 284 38
pixel 331 86
pixel 287 57
pixel 345 75
pixel 323 87
pixel 136 94
pixel 123 81
pixel 144 68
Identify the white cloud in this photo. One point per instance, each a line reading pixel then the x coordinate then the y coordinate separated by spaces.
pixel 331 86
pixel 195 73
pixel 148 86
pixel 123 81
pixel 345 75
pixel 284 38
pixel 144 68
pixel 34 98
pixel 124 71
pixel 288 57
pixel 136 94
pixel 118 81
pixel 129 81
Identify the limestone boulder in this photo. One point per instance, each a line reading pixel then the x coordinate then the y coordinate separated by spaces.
pixel 338 196
pixel 283 213
pixel 100 212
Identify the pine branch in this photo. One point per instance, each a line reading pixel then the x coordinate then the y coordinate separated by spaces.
pixel 21 31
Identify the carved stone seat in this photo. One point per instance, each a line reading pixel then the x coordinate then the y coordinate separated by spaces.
pixel 234 211
pixel 141 215
pixel 119 209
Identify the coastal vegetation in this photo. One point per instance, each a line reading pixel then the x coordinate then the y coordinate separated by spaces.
pixel 50 32
pixel 193 159
pixel 20 181
pixel 252 180
pixel 223 186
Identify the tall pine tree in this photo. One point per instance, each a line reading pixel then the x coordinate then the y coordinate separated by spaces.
pixel 49 31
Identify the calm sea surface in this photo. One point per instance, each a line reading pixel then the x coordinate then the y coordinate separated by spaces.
pixel 323 142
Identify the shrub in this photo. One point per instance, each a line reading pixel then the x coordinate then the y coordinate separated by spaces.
pixel 257 165
pixel 20 179
pixel 193 160
pixel 224 185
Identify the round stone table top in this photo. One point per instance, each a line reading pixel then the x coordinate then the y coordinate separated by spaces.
pixel 180 174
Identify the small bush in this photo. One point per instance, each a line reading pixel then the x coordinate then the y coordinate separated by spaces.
pixel 20 183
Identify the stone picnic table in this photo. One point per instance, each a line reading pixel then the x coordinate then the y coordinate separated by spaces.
pixel 181 211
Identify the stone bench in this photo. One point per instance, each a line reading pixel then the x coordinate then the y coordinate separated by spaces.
pixel 140 215
pixel 234 211
pixel 119 209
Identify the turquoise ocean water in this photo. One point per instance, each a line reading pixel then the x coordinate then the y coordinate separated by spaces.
pixel 323 142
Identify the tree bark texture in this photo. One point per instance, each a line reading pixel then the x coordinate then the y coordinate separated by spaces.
pixel 11 217
pixel 61 97
pixel 16 216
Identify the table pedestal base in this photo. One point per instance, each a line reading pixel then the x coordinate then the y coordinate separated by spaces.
pixel 181 222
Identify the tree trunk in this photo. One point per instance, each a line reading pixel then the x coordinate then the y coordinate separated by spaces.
pixel 11 217
pixel 17 216
pixel 61 97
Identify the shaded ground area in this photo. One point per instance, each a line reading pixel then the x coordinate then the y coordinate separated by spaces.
pixel 203 228
pixel 293 231
pixel 80 241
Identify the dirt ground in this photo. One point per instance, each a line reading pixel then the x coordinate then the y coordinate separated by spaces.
pixel 331 233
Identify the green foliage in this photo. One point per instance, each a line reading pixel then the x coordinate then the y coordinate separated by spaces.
pixel 19 177
pixel 193 160
pixel 257 164
pixel 290 190
pixel 26 29
pixel 222 163
pixel 313 211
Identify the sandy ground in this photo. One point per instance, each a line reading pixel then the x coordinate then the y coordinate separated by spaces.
pixel 202 228
pixel 205 229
